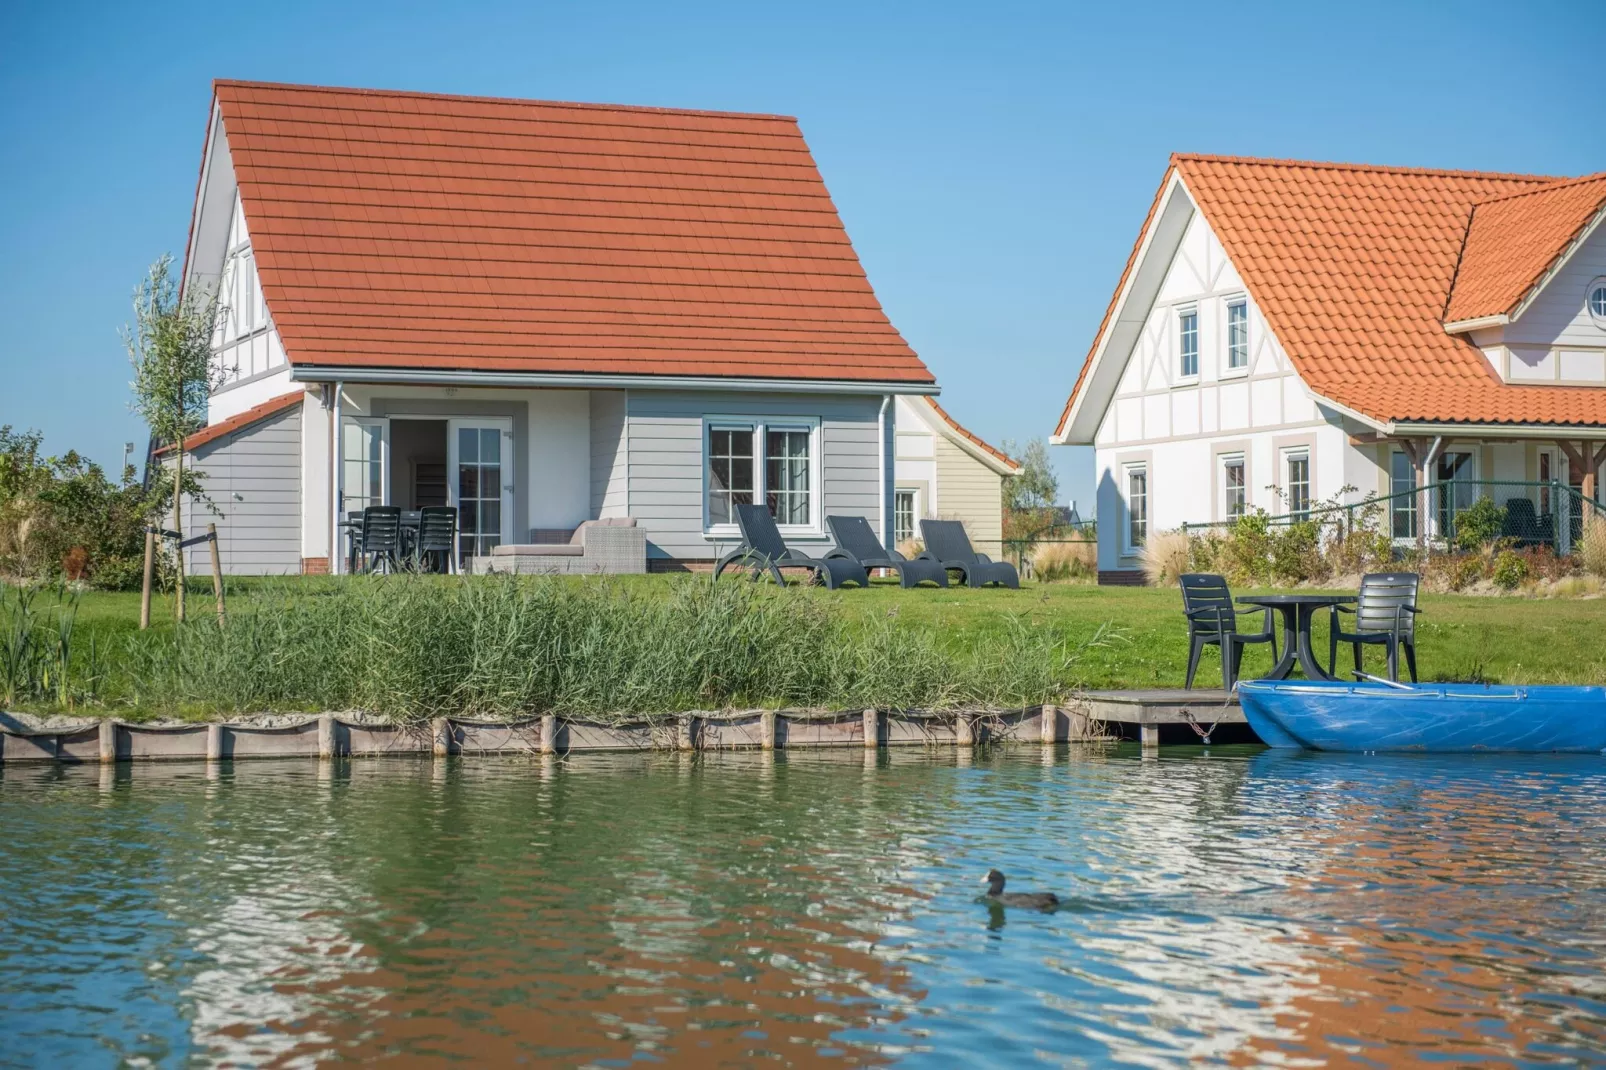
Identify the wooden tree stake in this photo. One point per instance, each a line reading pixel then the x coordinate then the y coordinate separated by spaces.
pixel 145 591
pixel 217 571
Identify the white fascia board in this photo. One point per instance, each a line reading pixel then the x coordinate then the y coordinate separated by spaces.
pixel 313 373
pixel 1164 221
pixel 1500 319
pixel 1452 430
pixel 1556 268
pixel 1344 410
pixel 213 128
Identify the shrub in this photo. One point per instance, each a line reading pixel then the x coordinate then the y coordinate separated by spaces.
pixel 1479 524
pixel 1247 553
pixel 1510 570
pixel 1053 561
pixel 1165 558
pixel 1592 545
pixel 1296 554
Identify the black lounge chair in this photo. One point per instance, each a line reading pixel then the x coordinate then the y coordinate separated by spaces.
pixel 763 549
pixel 856 541
pixel 947 543
pixel 435 549
pixel 1385 615
pixel 1213 621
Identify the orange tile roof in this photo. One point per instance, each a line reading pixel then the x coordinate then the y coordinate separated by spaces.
pixel 1351 266
pixel 1514 241
pixel 426 231
pixel 972 438
pixel 239 420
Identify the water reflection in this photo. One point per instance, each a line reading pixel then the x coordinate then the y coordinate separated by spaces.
pixel 1221 905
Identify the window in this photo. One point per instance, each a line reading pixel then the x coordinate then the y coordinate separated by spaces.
pixel 1188 342
pixel 751 461
pixel 1299 485
pixel 1235 499
pixel 1402 497
pixel 1137 507
pixel 786 478
pixel 1597 299
pixel 730 472
pixel 903 517
pixel 1237 334
pixel 1457 491
pixel 363 458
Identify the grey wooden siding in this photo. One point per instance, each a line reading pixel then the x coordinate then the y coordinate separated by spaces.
pixel 1559 314
pixel 608 453
pixel 666 460
pixel 254 480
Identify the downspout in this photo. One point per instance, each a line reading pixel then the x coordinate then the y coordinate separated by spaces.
pixel 881 456
pixel 336 495
pixel 1424 498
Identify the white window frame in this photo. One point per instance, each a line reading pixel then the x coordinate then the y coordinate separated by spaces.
pixel 1598 315
pixel 1228 368
pixel 914 513
pixel 1127 472
pixel 1183 375
pixel 1290 455
pixel 760 425
pixel 383 426
pixel 1226 461
pixel 1407 505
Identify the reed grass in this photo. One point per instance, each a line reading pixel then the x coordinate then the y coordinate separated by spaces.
pixel 410 648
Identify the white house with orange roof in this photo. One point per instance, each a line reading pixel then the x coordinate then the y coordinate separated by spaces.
pixel 538 314
pixel 1286 333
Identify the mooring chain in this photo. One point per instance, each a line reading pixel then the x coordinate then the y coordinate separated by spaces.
pixel 1205 732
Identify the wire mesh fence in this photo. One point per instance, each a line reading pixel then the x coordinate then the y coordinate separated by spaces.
pixel 1451 513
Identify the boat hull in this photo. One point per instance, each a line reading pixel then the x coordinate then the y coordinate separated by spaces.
pixel 1444 718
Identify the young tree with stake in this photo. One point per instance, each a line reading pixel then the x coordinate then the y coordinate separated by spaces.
pixel 170 347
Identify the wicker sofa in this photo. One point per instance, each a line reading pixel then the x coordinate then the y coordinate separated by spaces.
pixel 611 545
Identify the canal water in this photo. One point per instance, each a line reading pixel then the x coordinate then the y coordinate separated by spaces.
pixel 1235 905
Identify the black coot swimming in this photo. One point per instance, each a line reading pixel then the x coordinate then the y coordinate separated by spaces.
pixel 1036 900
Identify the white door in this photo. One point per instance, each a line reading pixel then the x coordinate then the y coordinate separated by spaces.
pixel 480 461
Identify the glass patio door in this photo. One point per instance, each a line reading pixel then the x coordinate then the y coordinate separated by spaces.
pixel 481 465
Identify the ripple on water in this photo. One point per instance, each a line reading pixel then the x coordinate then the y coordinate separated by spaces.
pixel 1238 906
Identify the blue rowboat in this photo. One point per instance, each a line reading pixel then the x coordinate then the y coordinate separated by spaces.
pixel 1341 716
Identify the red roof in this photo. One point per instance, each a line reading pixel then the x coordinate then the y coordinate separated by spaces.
pixel 240 419
pixel 1352 268
pixel 1514 241
pixel 419 230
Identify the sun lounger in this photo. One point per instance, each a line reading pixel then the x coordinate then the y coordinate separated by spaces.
pixel 856 541
pixel 763 550
pixel 947 542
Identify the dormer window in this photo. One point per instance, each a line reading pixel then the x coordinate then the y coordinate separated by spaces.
pixel 1188 343
pixel 1597 300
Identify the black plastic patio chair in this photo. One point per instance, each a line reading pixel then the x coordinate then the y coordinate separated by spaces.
pixel 381 538
pixel 1213 621
pixel 947 542
pixel 763 550
pixel 1385 615
pixel 856 541
pixel 435 547
pixel 1522 523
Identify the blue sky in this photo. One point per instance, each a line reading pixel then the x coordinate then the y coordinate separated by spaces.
pixel 992 161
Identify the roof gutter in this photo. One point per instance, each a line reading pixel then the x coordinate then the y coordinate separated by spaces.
pixel 1544 431
pixel 314 373
pixel 1500 319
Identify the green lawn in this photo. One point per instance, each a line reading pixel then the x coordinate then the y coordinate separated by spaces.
pixel 1135 636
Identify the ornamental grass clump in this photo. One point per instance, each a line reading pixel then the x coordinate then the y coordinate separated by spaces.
pixel 411 648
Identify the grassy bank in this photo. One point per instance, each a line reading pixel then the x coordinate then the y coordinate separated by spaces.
pixel 431 647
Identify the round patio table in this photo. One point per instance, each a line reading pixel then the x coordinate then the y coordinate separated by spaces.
pixel 1297 612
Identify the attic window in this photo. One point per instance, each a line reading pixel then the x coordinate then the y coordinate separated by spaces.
pixel 1597 300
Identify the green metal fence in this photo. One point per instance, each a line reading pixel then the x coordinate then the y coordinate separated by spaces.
pixel 1528 513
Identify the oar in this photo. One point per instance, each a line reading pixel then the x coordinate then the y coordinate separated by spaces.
pixel 1380 680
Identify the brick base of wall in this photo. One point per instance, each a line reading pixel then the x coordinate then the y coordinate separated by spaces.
pixel 680 564
pixel 315 566
pixel 1123 577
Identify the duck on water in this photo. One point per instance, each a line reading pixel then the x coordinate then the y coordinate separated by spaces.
pixel 1033 900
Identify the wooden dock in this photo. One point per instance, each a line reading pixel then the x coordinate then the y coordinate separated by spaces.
pixel 1151 709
